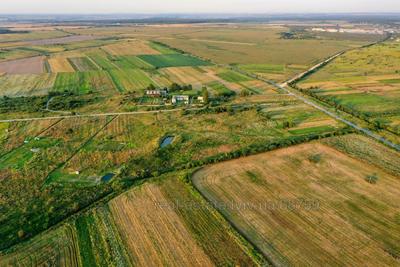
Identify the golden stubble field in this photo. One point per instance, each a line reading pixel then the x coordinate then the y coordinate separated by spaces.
pixel 301 210
pixel 131 47
pixel 155 235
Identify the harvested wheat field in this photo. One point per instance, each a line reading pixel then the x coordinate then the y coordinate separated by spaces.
pixel 154 235
pixel 26 84
pixel 60 64
pixel 309 205
pixel 187 75
pixel 32 65
pixel 131 47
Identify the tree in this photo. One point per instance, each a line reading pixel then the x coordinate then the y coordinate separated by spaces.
pixel 316 158
pixel 287 124
pixel 372 179
pixel 175 87
pixel 21 233
pixel 151 87
pixel 245 92
pixel 204 92
pixel 188 87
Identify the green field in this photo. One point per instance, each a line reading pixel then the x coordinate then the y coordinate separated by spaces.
pixel 162 48
pixel 129 62
pixel 220 90
pixel 174 60
pixel 82 64
pixel 130 79
pixel 77 82
pixel 363 82
pixel 232 76
pixel 102 61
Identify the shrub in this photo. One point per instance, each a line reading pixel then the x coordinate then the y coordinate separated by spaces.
pixel 372 179
pixel 316 158
pixel 245 92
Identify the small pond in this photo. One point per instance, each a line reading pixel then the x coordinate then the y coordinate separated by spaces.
pixel 107 177
pixel 166 141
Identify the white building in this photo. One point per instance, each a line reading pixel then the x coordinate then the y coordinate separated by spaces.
pixel 176 99
pixel 157 93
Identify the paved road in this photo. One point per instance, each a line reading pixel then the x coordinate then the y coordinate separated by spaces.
pixel 337 117
pixel 312 69
pixel 284 87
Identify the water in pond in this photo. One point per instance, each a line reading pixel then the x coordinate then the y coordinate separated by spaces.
pixel 166 141
pixel 107 177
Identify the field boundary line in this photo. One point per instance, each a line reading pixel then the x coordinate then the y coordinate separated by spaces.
pixel 212 202
pixel 37 135
pixel 94 63
pixel 96 115
pixel 78 150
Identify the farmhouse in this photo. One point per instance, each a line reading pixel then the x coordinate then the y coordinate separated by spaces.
pixel 177 99
pixel 157 93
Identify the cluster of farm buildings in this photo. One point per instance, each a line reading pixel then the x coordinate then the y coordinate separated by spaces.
pixel 176 99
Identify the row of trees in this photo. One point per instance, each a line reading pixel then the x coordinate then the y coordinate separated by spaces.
pixel 23 104
pixel 163 162
pixel 264 147
pixel 174 87
pixel 377 124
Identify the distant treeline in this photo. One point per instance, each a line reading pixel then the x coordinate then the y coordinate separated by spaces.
pixel 111 20
pixel 8 31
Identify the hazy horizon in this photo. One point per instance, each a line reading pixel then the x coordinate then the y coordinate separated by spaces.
pixel 196 7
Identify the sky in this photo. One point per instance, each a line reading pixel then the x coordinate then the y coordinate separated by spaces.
pixel 195 6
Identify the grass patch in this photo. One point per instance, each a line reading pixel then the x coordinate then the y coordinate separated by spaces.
pixel 75 82
pixel 312 130
pixel 130 79
pixel 390 81
pixel 264 68
pixel 130 62
pixel 173 60
pixel 82 64
pixel 103 62
pixel 234 77
pixel 163 49
pixel 220 90
pixel 84 242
